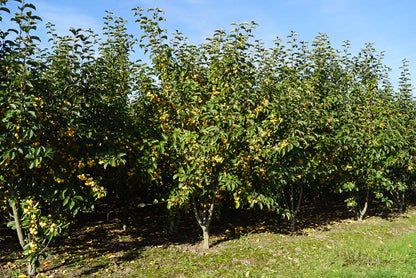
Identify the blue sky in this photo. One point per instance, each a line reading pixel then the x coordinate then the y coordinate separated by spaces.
pixel 390 24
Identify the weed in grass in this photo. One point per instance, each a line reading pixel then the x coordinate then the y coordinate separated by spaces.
pixel 366 257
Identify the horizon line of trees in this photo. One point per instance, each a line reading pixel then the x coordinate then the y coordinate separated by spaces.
pixel 226 123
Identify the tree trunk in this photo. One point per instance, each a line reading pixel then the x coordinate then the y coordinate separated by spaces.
pixel 293 205
pixel 292 224
pixel 205 235
pixel 361 212
pixel 33 263
pixel 31 268
pixel 402 206
pixel 204 221
pixel 18 225
pixel 399 199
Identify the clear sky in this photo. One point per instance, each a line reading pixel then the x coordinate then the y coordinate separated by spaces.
pixel 390 24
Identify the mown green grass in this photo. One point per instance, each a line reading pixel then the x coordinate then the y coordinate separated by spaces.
pixel 376 247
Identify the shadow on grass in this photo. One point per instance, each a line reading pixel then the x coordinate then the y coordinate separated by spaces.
pixel 99 241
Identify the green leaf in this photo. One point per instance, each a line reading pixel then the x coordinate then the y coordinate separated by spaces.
pixel 32 113
pixel 4 9
pixel 71 204
pixel 12 225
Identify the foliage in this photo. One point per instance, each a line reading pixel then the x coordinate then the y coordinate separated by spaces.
pixel 59 124
pixel 204 128
pixel 203 102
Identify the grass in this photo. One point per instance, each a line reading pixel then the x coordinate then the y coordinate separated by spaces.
pixel 376 247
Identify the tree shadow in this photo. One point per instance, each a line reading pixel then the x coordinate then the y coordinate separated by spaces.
pixel 100 240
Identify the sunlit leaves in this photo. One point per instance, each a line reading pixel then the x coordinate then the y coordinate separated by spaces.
pixel 226 123
pixel 62 123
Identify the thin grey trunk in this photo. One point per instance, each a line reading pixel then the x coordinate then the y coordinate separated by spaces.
pixel 18 225
pixel 205 235
pixel 204 221
pixel 296 210
pixel 361 212
pixel 400 200
pixel 33 263
pixel 293 206
pixel 292 224
pixel 403 202
pixel 31 268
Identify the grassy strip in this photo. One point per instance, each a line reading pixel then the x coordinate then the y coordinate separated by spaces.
pixel 377 247
pixel 373 248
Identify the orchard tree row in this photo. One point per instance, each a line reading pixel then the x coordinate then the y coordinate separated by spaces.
pixel 226 123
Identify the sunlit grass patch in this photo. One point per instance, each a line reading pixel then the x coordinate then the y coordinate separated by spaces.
pixel 374 248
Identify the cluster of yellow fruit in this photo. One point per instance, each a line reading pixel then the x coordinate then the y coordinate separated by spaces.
pixel 90 182
pixel 33 212
pixel 59 180
pixel 217 159
pixel 70 132
pixel 283 144
pixel 131 172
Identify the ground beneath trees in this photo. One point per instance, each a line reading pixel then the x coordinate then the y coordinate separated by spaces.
pixel 139 244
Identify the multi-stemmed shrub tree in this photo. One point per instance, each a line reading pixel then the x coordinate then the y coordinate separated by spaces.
pixel 284 140
pixel 400 164
pixel 23 153
pixel 204 106
pixel 364 137
pixel 62 122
